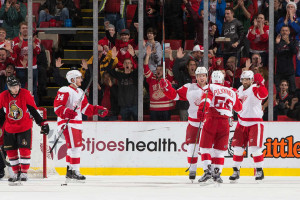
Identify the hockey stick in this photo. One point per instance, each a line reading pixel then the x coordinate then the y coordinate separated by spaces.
pixel 3 158
pixel 65 126
pixel 163 41
pixel 198 133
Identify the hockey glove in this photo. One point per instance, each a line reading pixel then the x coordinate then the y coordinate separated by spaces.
pixel 165 84
pixel 100 111
pixel 44 128
pixel 69 114
pixel 200 115
pixel 259 80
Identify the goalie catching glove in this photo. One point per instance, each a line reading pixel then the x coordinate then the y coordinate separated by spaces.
pixel 100 111
pixel 44 128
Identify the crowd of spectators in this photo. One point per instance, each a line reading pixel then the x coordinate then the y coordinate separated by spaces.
pixel 238 40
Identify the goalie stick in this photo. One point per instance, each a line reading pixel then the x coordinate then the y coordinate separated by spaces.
pixel 3 158
pixel 65 126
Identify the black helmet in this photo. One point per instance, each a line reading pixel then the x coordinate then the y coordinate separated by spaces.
pixel 12 81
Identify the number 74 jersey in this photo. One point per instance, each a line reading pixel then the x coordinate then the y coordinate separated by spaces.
pixel 222 99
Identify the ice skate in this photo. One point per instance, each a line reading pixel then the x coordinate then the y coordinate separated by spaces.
pixel 192 176
pixel 14 180
pixel 77 176
pixel 217 176
pixel 206 178
pixel 235 176
pixel 2 173
pixel 23 177
pixel 259 175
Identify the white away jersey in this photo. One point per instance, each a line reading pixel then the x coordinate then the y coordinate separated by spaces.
pixel 223 99
pixel 192 93
pixel 252 105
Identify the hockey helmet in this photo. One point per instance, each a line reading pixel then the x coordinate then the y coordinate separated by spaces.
pixel 12 81
pixel 217 77
pixel 247 74
pixel 73 74
pixel 201 70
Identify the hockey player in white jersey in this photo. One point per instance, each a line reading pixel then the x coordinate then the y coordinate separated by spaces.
pixel 249 130
pixel 221 101
pixel 191 92
pixel 65 102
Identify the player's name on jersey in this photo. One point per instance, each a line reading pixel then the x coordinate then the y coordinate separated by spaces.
pixel 223 90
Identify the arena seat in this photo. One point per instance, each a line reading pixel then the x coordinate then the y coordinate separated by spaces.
pixel 284 118
pixel 77 3
pixel 175 44
pixel 130 11
pixel 188 44
pixel 297 80
pixel 44 25
pixel 35 10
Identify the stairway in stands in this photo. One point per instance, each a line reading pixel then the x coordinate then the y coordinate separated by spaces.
pixel 78 47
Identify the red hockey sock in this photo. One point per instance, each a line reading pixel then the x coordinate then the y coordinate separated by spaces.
pixel 237 160
pixel 258 161
pixel 206 158
pixel 25 159
pixel 192 160
pixel 13 160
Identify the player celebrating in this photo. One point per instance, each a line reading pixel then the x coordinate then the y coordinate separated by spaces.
pixel 220 100
pixel 249 128
pixel 19 106
pixel 191 92
pixel 66 100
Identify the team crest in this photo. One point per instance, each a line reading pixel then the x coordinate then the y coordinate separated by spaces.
pixel 15 112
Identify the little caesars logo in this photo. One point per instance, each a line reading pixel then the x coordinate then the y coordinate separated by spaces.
pixel 15 112
pixel 282 148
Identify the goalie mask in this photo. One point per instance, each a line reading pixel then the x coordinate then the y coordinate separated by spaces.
pixel 248 74
pixel 217 77
pixel 73 74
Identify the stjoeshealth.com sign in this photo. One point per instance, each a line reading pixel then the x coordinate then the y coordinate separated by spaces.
pixel 161 145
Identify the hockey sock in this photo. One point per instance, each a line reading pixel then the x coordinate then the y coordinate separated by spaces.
pixel 13 160
pixel 25 159
pixel 238 156
pixel 205 157
pixel 218 159
pixel 68 158
pixel 258 161
pixel 75 158
pixel 257 156
pixel 192 156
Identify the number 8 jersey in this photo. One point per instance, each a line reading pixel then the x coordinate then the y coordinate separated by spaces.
pixel 221 99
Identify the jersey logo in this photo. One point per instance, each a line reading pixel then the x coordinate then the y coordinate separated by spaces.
pixel 15 112
pixel 243 98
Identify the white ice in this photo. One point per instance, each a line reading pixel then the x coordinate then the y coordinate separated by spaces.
pixel 152 188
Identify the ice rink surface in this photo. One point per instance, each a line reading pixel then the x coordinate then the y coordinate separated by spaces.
pixel 151 187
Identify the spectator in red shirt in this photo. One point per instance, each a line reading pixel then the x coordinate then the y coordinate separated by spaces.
pixel 160 105
pixel 6 44
pixel 20 54
pixel 4 60
pixel 108 42
pixel 123 45
pixel 258 35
